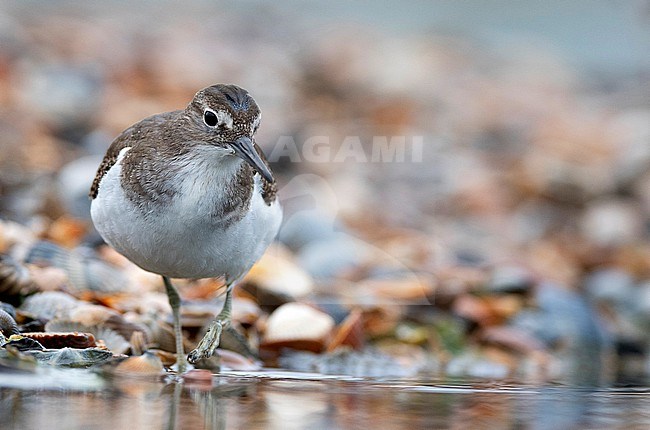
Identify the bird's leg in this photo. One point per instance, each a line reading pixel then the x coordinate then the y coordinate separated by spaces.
pixel 210 341
pixel 175 303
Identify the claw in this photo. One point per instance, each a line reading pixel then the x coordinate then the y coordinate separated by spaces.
pixel 208 344
pixel 212 338
pixel 194 356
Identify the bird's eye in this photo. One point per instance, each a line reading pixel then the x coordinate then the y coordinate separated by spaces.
pixel 210 118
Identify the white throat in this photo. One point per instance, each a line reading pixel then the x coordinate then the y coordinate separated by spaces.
pixel 203 173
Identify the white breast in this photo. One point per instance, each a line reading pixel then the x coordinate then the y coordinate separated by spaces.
pixel 182 239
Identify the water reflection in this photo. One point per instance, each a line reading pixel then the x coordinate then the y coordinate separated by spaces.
pixel 281 402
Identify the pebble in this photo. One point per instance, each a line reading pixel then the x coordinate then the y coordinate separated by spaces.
pixel 74 93
pixel 613 286
pixel 70 357
pixel 642 302
pixel 147 364
pixel 49 304
pixel 298 326
pixel 277 273
pixel 73 180
pixel 507 279
pixel 333 257
pixel 611 222
pixel 305 227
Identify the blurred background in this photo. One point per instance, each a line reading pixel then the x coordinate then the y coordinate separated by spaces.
pixel 516 246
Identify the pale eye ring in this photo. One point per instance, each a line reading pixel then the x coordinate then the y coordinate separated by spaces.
pixel 210 118
pixel 256 123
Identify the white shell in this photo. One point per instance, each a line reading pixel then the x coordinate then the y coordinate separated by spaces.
pixel 298 321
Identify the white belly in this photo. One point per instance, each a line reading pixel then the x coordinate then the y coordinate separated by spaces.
pixel 181 240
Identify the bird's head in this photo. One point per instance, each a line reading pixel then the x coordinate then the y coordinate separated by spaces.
pixel 228 117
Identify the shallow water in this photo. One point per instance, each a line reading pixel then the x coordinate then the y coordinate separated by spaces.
pixel 78 399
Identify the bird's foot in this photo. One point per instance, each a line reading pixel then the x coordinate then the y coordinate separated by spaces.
pixel 209 343
pixel 181 365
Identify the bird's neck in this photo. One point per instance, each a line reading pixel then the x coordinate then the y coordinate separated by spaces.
pixel 220 186
pixel 203 181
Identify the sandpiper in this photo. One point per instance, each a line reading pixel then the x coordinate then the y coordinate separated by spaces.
pixel 189 194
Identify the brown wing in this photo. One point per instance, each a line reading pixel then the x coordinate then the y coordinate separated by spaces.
pixel 129 137
pixel 269 189
pixel 110 158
